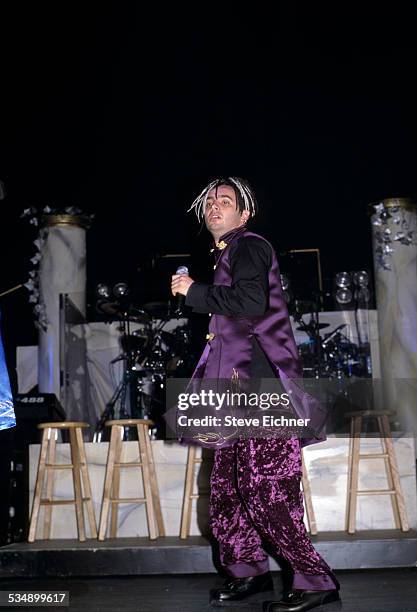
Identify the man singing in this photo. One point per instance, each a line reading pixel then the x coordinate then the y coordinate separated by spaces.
pixel 255 483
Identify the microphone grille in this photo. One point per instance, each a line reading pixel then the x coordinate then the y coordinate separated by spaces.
pixel 182 270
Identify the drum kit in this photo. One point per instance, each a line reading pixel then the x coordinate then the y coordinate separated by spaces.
pixel 332 355
pixel 149 354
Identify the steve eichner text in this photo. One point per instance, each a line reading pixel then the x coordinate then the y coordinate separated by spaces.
pixel 267 420
pixel 228 398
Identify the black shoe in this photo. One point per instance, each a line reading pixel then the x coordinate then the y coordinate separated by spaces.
pixel 236 589
pixel 298 601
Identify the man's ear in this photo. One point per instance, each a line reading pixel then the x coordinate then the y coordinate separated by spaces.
pixel 245 215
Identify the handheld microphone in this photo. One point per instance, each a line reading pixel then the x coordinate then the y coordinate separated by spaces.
pixel 179 298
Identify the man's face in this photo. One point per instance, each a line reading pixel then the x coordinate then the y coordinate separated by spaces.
pixel 221 214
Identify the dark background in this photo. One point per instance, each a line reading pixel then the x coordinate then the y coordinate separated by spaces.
pixel 128 111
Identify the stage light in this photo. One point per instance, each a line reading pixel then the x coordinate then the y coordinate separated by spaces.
pixel 120 290
pixel 343 279
pixel 361 278
pixel 103 290
pixel 343 296
pixel 351 289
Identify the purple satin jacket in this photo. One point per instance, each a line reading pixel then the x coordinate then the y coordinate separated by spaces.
pixel 228 353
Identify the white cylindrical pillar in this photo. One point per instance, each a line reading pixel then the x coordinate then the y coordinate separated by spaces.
pixel 62 270
pixel 394 234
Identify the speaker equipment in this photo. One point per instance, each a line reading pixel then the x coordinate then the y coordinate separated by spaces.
pixel 30 409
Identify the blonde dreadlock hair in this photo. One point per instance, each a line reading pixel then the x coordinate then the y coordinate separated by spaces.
pixel 244 195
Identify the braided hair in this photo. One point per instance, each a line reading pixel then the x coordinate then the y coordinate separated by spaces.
pixel 245 196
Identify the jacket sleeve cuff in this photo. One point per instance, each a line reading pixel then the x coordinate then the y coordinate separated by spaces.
pixel 197 296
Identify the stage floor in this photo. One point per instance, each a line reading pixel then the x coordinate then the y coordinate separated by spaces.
pixel 170 555
pixel 384 590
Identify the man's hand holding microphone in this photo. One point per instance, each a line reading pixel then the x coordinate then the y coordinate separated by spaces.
pixel 180 283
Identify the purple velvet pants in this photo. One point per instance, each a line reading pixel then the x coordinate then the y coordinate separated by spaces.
pixel 255 497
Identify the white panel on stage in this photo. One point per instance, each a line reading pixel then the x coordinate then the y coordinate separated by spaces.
pixel 27 368
pixel 102 341
pixel 326 466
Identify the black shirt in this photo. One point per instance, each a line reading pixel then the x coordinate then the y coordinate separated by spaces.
pixel 250 261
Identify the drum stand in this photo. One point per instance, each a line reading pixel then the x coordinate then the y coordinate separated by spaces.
pixel 127 393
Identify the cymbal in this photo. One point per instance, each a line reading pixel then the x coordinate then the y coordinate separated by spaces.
pixel 139 316
pixel 133 343
pixel 313 326
pixel 109 308
pixel 115 309
pixel 158 310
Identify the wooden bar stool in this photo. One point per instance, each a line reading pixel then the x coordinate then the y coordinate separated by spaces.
pixel 189 495
pixel 391 469
pixel 47 465
pixel 112 479
pixel 305 483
